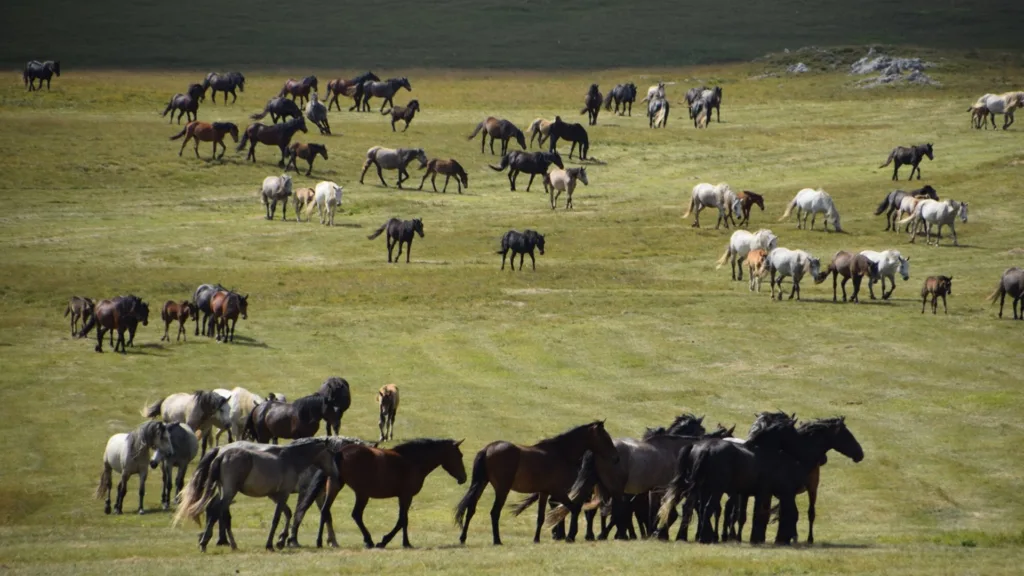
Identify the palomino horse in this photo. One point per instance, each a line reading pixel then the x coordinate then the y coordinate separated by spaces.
pixel 387 402
pixel 299 88
pixel 498 129
pixel 227 307
pixel 276 189
pixel 656 91
pixel 913 155
pixel 270 421
pixel 449 168
pixel 184 448
pixel 178 312
pixel 36 70
pixel 892 202
pixel 225 83
pixel 326 200
pixel 936 286
pixel 706 195
pixel 547 468
pixel 889 264
pixel 307 152
pixel 943 213
pixel 657 113
pixel 757 268
pixel 532 163
pixel 386 90
pixel 810 202
pixel 783 262
pixel 128 454
pixel 564 181
pixel 302 198
pixel 847 265
pixel 622 94
pixel 521 243
pixel 279 108
pixel 187 104
pixel 279 135
pixel 79 308
pixel 206 132
pixel 1005 104
pixel 392 159
pixel 574 133
pixel 539 129
pixel 316 112
pixel 1012 283
pixel 404 113
pixel 746 200
pixel 123 314
pixel 352 87
pixel 741 243
pixel 592 104
pixel 202 410
pixel 399 232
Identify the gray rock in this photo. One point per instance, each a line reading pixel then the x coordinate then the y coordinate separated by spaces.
pixel 798 68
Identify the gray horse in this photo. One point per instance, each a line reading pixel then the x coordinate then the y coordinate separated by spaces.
pixel 276 189
pixel 316 112
pixel 385 89
pixel 392 159
pixel 184 448
pixel 1011 283
pixel 892 202
pixel 128 454
pixel 657 112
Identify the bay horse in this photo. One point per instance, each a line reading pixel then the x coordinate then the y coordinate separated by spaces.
pixel 270 421
pixel 909 155
pixel 386 90
pixel 186 105
pixel 399 232
pixel 307 152
pixel 892 201
pixel 621 94
pixel 202 296
pixel 341 87
pixel 404 113
pixel 278 108
pixel 128 454
pixel 178 312
pixel 500 129
pixel 299 88
pixel 532 163
pixel 539 130
pixel 227 307
pixel 547 468
pixel 226 83
pixel 936 287
pixel 449 168
pixel 1012 283
pixel 79 308
pixel 36 70
pixel 207 132
pixel 574 133
pixel 745 200
pixel 277 134
pixel 592 104
pixel 847 265
pixel 564 181
pixel 521 243
pixel 123 314
pixel 387 402
pixel 392 159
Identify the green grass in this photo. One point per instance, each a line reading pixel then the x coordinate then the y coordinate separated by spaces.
pixel 625 318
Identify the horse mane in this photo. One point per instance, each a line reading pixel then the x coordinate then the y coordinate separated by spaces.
pixel 650 433
pixel 822 424
pixel 683 418
pixel 306 405
pixel 764 419
pixel 411 447
pixel 768 431
pixel 224 125
pixel 565 435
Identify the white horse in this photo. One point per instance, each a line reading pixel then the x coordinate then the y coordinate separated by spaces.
pixel 276 189
pixel 941 212
pixel 326 199
pixel 184 448
pixel 656 91
pixel 128 454
pixel 1004 104
pixel 907 206
pixel 706 195
pixel 783 262
pixel 240 404
pixel 889 263
pixel 813 202
pixel 741 243
pixel 201 410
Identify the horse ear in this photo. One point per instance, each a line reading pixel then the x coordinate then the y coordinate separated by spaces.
pixel 459 442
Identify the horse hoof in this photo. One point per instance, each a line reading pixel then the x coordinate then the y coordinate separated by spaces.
pixel 368 545
pixel 381 545
pixel 202 547
pixel 141 511
pixel 106 510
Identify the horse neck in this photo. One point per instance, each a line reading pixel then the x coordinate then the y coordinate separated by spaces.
pixel 425 458
pixel 816 442
pixel 571 445
pixel 303 455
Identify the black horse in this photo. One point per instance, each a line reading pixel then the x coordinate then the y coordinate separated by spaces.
pixel 592 104
pixel 912 155
pixel 339 399
pixel 186 104
pixel 895 198
pixel 226 83
pixel 622 94
pixel 279 107
pixel 278 134
pixel 532 163
pixel 521 243
pixel 574 133
pixel 400 232
pixel 36 70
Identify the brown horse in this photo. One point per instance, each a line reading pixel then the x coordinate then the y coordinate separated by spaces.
pixel 206 132
pixel 78 308
pixel 936 286
pixel 745 201
pixel 307 152
pixel 547 468
pixel 1011 283
pixel 387 400
pixel 757 267
pixel 227 306
pixel 279 135
pixel 343 87
pixel 123 314
pixel 592 104
pixel 500 129
pixel 299 88
pixel 449 168
pixel 175 311
pixel 855 266
pixel 303 196
pixel 405 113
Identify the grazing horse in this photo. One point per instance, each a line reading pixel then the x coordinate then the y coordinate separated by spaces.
pixel 339 399
pixel 532 163
pixel 913 155
pixel 657 112
pixel 592 104
pixel 202 410
pixel 746 200
pixel 386 90
pixel 122 313
pixel 326 200
pixel 387 402
pixel 307 152
pixel 227 307
pixel 943 213
pixel 889 264
pixel 564 181
pixel 1012 283
pixel 392 159
pixel 128 454
pixel 36 70
pixel 500 129
pixel 539 129
pixel 276 189
pixel 449 168
pixel 399 232
pixel 757 268
pixel 783 262
pixel 405 113
pixel 521 243
pixel 302 198
pixel 993 104
pixel 299 88
pixel 270 421
pixel 810 202
pixel 341 87
pixel 622 94
pixel 174 311
pixel 278 108
pixel 186 104
pixel 574 133
pixel 316 112
pixel 656 91
pixel 936 286
pixel 741 243
pixel 891 203
pixel 848 265
pixel 706 195
pixel 184 448
pixel 79 308
pixel 206 132
pixel 225 83
pixel 278 134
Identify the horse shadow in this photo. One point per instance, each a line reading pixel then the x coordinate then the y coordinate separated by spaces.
pixel 250 342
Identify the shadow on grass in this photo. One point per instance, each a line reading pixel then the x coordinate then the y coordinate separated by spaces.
pixel 246 341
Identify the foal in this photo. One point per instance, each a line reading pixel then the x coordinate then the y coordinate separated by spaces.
pixel 307 152
pixel 936 286
pixel 449 168
pixel 302 198
pixel 176 311
pixel 387 399
pixel 405 113
pixel 79 308
pixel 757 267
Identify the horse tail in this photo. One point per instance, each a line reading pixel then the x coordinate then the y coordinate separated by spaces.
pixel 24 75
pixel 586 478
pixel 789 210
pixel 378 232
pixel 659 118
pixel 881 207
pixel 153 410
pixel 1000 290
pixel 101 490
pixel 608 101
pixel 89 324
pixel 313 490
pixel 725 257
pixel 693 204
pixel 889 160
pixel 476 131
pixel 244 141
pixel 67 310
pixel 199 491
pixel 501 167
pixel 476 487
pixel 679 487
pixel 525 503
pixel 180 134
pixel 583 110
pixel 386 112
pixel 170 106
pixel 915 214
pixel 260 115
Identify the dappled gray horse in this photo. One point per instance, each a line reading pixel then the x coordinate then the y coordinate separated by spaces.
pixel 276 189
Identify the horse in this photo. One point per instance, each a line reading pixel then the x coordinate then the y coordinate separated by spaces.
pixel 270 421
pixel 1004 104
pixel 574 133
pixel 621 94
pixel 757 267
pixel 447 167
pixel 306 151
pixel 539 129
pixel 79 308
pixel 848 265
pixel 547 468
pixel 936 286
pixel 712 100
pixel 943 213
pixel 532 163
pixel 694 94
pixel 206 132
pixel 1012 283
pixel 521 243
pixel 405 113
pixel 392 159
pixel 278 108
pixel 275 189
pixel 891 203
pixel 741 243
pixel 386 90
pixel 339 399
pixel 399 232
pixel 128 454
pixel 227 306
pixel 316 112
pixel 592 104
pixel 810 202
pixel 656 91
pixel 501 129
pixel 253 472
pixel 178 312
pixel 783 262
pixel 202 296
pixel 979 117
pixel 342 87
pixel 906 208
pixel 241 403
pixel 889 263
pixel 657 113
pixel 706 195
pixel 36 70
pixel 186 104
pixel 302 198
pixel 278 134
pixel 326 200
pixel 564 181
pixel 225 83
pixel 700 113
pixel 201 410
pixel 913 155
pixel 746 200
pixel 387 402
pixel 184 448
pixel 299 88
pixel 121 313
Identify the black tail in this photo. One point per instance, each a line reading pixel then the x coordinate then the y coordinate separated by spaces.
pixel 502 166
pixel 88 326
pixel 170 106
pixel 476 487
pixel 608 101
pixel 378 232
pixel 889 160
pixel 881 207
pixel 260 115
pixel 245 140
pixel 313 490
pixel 180 134
pixel 385 112
pixel 518 508
pixel 586 478
pixel 249 431
pixel 24 75
pixel 479 127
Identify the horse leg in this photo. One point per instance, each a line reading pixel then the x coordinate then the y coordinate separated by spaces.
pixel 357 515
pixel 944 309
pixel 448 177
pixel 542 506
pixel 380 174
pixel 500 495
pixel 533 261
pixel 845 280
pixel 273 527
pixel 530 183
pixel 896 170
pixel 283 537
pixel 122 489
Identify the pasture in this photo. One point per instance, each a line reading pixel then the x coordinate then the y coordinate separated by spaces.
pixel 625 318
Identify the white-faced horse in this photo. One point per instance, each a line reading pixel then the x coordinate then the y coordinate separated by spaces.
pixel 128 454
pixel 783 262
pixel 706 195
pixel 184 448
pixel 276 189
pixel 201 410
pixel 812 202
pixel 943 213
pixel 741 243
pixel 326 200
pixel 1004 104
pixel 889 263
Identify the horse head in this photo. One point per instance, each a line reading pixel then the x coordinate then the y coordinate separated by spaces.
pixel 452 462
pixel 243 306
pixel 154 435
pixel 421 156
pixel 142 312
pixel 600 443
pixel 403 82
pixel 813 266
pixel 417 226
pixel 904 268
pixel 963 212
pixel 555 158
pixel 582 173
pixel 928 151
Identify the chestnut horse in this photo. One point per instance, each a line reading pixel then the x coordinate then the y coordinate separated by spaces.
pixel 500 129
pixel 299 88
pixel 848 265
pixel 227 306
pixel 206 132
pixel 122 313
pixel 174 311
pixel 936 286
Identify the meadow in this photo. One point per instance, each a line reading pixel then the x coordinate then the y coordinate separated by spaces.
pixel 625 318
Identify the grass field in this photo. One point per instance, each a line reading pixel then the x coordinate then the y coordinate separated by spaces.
pixel 625 318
